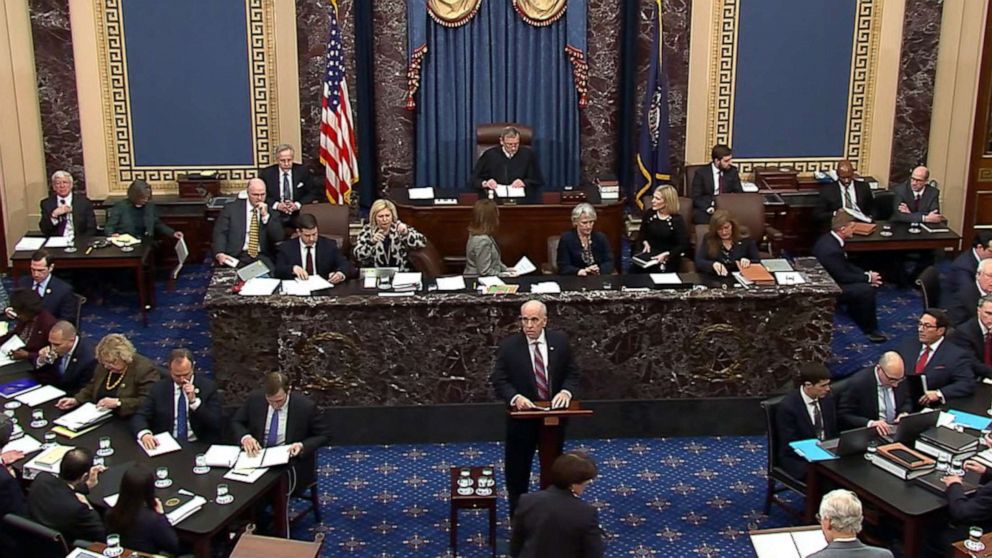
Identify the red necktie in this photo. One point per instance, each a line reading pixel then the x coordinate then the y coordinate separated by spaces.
pixel 988 348
pixel 540 374
pixel 916 203
pixel 921 363
pixel 723 183
pixel 309 261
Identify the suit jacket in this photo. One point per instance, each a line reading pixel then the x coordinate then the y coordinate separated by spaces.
pixel 157 410
pixel 139 377
pixel 34 334
pixel 792 423
pixel 963 304
pixel 482 256
pixel 702 191
pixel 232 226
pixel 969 337
pixel 903 193
pixel 570 253
pixel 975 509
pixel 53 503
pixel 328 258
pixel 123 219
pixel 495 165
pixel 949 368
pixel 305 422
pixel 83 217
pixel 513 371
pixel 554 523
pixel 11 501
pixel 832 257
pixel 962 271
pixel 301 184
pixel 59 298
pixel 78 371
pixel 858 402
pixel 851 549
pixel 831 199
pixel 743 248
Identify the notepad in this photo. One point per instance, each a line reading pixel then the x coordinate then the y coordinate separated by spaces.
pixel 57 242
pixel 85 415
pixel 17 387
pixel 267 457
pixel 666 279
pixel 222 456
pixel 29 243
pixel 11 345
pixel 259 286
pixel 456 283
pixel 810 450
pixel 39 396
pixel 166 444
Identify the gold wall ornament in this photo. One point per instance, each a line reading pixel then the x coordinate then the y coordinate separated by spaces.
pixel 453 13
pixel 540 13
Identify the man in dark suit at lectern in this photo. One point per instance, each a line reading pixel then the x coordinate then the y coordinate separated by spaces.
pixel 719 177
pixel 533 365
pixel 287 186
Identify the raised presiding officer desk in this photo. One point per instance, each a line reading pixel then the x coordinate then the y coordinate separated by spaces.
pixel 355 347
pixel 524 227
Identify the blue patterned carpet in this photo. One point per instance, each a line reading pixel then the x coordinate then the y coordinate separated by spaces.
pixel 657 497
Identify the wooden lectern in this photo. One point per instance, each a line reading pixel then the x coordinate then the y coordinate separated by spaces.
pixel 549 432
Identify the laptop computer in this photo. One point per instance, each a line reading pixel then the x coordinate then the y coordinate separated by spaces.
pixel 910 427
pixel 850 442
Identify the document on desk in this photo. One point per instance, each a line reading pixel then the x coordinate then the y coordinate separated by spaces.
pixel 57 242
pixel 490 281
pixel 25 444
pixel 259 286
pixel 421 193
pixel 456 283
pixel 11 345
pixel 20 386
pixel 296 287
pixel 546 287
pixel 666 279
pixel 166 444
pixel 524 266
pixel 39 396
pixel 222 456
pixel 29 243
pixel 789 544
pixel 407 280
pixel 789 278
pixel 775 265
pixel 248 476
pixel 182 252
pixel 267 457
pixel 123 240
pixel 505 191
pixel 85 415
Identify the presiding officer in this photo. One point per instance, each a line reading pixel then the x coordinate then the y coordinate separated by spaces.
pixel 535 364
pixel 509 165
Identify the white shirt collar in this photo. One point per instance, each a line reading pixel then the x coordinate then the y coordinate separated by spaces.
pixel 807 399
pixel 981 326
pixel 507 155
pixel 837 236
pixel 979 287
pixel 935 345
pixel 540 339
pixel 68 199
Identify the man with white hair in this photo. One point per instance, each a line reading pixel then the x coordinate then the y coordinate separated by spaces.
pixel 287 186
pixel 65 212
pixel 961 307
pixel 840 519
pixel 535 364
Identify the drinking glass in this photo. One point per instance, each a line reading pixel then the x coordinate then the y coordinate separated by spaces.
pixel 871 450
pixel 943 463
pixel 113 546
pixel 38 419
pixel 200 464
pixel 105 449
pixel 49 439
pixel 957 466
pixel 162 479
pixel 223 496
pixel 974 542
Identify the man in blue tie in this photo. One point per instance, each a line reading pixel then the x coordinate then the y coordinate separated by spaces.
pixel 276 416
pixel 56 295
pixel 68 361
pixel 186 405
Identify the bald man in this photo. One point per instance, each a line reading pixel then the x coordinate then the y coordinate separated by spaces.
pixel 875 396
pixel 232 234
pixel 918 201
pixel 845 192
pixel 534 364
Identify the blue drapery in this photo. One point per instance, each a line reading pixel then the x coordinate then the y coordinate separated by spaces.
pixel 495 68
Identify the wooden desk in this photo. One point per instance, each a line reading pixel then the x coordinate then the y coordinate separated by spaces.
pixel 901 239
pixel 471 502
pixel 139 260
pixel 961 552
pixel 524 228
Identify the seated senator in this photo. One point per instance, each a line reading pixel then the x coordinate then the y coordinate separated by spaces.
pixel 245 231
pixel 32 324
pixel 138 516
pixel 137 215
pixel 508 165
pixel 481 251
pixel 59 502
pixel 386 241
pixel 805 413
pixel 583 251
pixel 664 236
pixel 68 360
pixel 64 212
pixel 56 295
pixel 287 185
pixel 186 405
pixel 722 250
pixel 555 521
pixel 309 254
pixel 121 379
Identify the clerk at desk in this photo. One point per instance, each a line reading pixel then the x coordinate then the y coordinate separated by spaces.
pixel 509 165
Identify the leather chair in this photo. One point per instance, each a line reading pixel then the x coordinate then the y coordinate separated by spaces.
pixel 487 135
pixel 551 266
pixel 309 492
pixel 80 301
pixel 34 539
pixel 749 210
pixel 333 221
pixel 688 175
pixel 427 260
pixel 929 284
pixel 777 475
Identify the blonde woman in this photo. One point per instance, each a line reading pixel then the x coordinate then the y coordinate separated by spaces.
pixel 664 236
pixel 121 380
pixel 386 241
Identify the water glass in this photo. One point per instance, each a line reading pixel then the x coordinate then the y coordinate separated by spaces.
pixel 974 542
pixel 38 419
pixel 105 449
pixel 162 479
pixel 871 450
pixel 943 463
pixel 200 464
pixel 49 439
pixel 113 546
pixel 957 466
pixel 984 439
pixel 223 496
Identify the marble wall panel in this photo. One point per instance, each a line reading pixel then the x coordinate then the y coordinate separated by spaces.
pixel 600 120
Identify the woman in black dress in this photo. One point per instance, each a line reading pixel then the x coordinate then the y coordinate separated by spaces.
pixel 664 236
pixel 722 250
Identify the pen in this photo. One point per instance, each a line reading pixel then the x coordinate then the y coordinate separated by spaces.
pixel 89 250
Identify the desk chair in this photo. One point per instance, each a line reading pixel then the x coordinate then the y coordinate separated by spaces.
pixel 929 284
pixel 80 301
pixel 688 175
pixel 428 261
pixel 332 221
pixel 487 135
pixel 551 266
pixel 778 475
pixel 34 539
pixel 310 491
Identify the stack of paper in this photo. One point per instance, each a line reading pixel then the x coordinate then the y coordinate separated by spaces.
pixel 26 444
pixel 524 266
pixel 546 287
pixel 186 510
pixel 11 345
pixel 295 287
pixel 267 457
pixel 40 395
pixel 222 456
pixel 47 461
pixel 29 244
pixel 456 283
pixel 666 279
pixel 504 191
pixel 407 281
pixel 86 415
pixel 123 240
pixel 259 286
pixel 166 444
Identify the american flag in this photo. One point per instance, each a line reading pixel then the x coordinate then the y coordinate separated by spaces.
pixel 338 152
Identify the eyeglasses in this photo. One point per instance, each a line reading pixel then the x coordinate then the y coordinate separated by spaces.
pixel 890 378
pixel 924 325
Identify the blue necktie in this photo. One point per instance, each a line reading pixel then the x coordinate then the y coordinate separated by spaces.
pixel 182 428
pixel 273 438
pixel 63 364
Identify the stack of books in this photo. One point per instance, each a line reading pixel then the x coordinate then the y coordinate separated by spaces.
pixel 938 442
pixel 903 462
pixel 609 190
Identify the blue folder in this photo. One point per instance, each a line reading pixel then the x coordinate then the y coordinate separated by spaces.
pixel 15 387
pixel 969 420
pixel 811 451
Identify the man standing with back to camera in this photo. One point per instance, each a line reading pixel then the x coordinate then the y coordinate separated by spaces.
pixel 535 364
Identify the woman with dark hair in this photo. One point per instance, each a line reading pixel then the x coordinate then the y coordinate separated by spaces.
pixel 137 216
pixel 138 517
pixel 32 324
pixel 481 251
pixel 722 249
pixel 555 522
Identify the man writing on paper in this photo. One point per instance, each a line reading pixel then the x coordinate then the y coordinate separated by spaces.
pixel 275 416
pixel 244 232
pixel 535 364
pixel 508 165
pixel 186 406
pixel 311 254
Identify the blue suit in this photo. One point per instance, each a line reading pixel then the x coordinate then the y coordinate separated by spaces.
pixel 327 257
pixel 157 410
pixel 58 299
pixel 948 369
pixel 570 253
pixel 963 270
pixel 11 501
pixel 78 371
pixel 793 423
